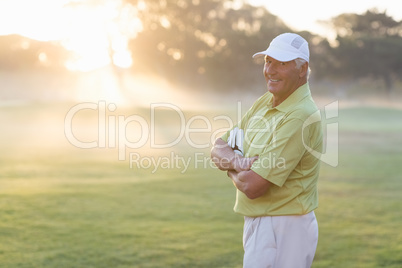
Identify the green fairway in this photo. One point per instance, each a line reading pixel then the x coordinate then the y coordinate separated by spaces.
pixel 360 201
pixel 62 206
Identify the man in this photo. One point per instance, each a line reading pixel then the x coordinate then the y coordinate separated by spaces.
pixel 268 157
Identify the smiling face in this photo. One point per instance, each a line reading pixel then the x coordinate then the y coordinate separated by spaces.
pixel 283 78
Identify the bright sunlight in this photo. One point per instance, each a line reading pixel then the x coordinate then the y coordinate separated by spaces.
pixel 96 32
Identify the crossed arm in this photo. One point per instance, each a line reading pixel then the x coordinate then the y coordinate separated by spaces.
pixel 239 170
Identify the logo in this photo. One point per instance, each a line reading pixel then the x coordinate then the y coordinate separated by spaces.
pixel 112 132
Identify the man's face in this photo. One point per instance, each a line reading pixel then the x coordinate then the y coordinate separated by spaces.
pixel 282 77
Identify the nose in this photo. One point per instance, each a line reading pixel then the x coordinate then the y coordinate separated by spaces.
pixel 269 69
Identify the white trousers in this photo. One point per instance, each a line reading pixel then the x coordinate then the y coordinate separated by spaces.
pixel 280 241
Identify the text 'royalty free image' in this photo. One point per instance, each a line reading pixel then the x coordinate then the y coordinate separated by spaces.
pixel 171 161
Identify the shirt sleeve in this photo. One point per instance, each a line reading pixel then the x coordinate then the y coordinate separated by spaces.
pixel 280 157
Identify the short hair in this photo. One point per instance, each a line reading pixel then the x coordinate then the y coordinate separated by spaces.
pixel 299 62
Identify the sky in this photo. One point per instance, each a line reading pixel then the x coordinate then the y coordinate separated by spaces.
pixel 305 14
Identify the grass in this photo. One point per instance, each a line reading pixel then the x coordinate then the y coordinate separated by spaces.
pixel 360 200
pixel 131 222
pixel 67 207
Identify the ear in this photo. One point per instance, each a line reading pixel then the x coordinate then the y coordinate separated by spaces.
pixel 303 70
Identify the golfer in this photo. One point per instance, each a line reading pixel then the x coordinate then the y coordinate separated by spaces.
pixel 268 157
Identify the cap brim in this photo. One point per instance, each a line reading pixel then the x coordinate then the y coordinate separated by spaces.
pixel 259 54
pixel 279 54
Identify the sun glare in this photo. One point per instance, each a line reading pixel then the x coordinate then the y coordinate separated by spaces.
pixel 99 35
pixel 95 32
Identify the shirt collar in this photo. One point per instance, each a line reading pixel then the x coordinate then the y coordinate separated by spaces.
pixel 299 94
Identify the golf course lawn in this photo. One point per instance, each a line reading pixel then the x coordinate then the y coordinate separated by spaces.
pixel 62 206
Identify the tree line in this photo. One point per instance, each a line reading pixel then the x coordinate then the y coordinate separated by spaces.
pixel 208 45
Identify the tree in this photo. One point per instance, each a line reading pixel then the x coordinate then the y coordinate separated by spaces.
pixel 207 43
pixel 368 45
pixel 21 53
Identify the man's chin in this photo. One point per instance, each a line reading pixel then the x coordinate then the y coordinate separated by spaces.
pixel 271 89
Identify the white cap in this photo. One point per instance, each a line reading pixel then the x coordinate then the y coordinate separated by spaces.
pixel 286 47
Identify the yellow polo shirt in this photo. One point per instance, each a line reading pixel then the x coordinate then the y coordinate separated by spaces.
pixel 282 137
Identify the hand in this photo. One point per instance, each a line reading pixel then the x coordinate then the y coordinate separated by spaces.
pixel 243 163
